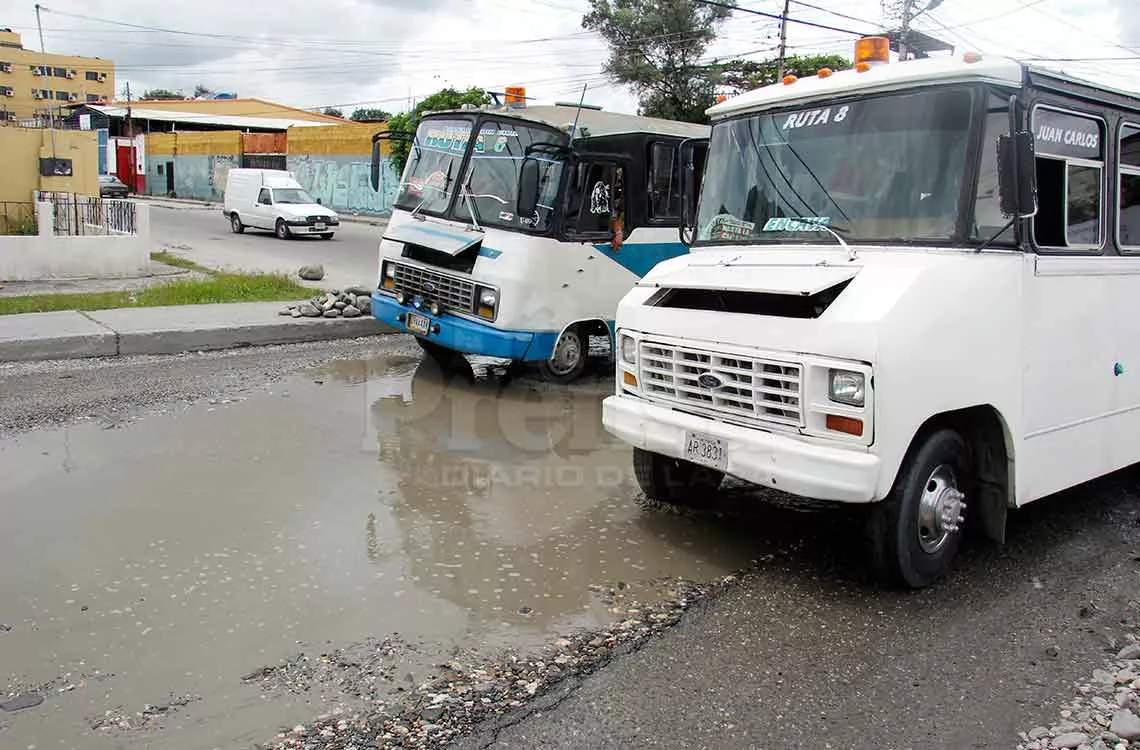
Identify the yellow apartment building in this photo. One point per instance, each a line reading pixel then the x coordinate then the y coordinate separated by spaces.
pixel 33 84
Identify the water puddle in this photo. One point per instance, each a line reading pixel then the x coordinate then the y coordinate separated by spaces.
pixel 372 512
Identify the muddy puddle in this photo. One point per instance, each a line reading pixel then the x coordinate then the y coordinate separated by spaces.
pixel 329 540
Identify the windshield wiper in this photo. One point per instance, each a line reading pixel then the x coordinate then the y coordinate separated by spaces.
pixel 465 192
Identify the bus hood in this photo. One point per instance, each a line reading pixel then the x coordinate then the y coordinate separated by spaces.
pixel 804 299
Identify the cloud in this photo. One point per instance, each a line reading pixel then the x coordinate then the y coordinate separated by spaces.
pixel 344 52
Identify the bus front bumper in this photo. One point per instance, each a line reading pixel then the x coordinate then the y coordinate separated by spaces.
pixel 467 336
pixel 763 458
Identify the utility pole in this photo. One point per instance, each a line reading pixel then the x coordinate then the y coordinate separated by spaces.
pixel 130 123
pixel 908 8
pixel 44 70
pixel 783 40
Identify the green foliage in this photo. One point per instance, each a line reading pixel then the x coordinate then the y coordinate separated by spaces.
pixel 745 75
pixel 162 94
pixel 202 90
pixel 367 114
pixel 656 47
pixel 333 112
pixel 444 99
pixel 220 287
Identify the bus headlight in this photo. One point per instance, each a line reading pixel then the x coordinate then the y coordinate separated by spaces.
pixel 846 387
pixel 486 302
pixel 628 350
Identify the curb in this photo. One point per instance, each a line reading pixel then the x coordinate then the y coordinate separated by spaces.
pixel 120 333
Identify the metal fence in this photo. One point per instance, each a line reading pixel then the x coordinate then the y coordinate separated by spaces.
pixel 79 215
pixel 17 218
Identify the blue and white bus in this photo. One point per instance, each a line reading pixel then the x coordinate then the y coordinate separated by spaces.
pixel 469 266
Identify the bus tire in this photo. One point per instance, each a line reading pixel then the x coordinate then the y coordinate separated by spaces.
pixel 450 361
pixel 568 360
pixel 914 534
pixel 675 481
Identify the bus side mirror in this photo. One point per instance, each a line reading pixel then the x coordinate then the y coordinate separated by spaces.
pixel 1017 175
pixel 375 175
pixel 692 162
pixel 528 188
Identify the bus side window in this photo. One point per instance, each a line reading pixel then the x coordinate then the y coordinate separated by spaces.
pixel 597 197
pixel 664 182
pixel 1070 178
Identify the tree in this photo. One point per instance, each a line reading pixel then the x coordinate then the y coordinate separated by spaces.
pixel 370 115
pixel 448 98
pixel 201 91
pixel 162 94
pixel 655 47
pixel 745 75
pixel 333 112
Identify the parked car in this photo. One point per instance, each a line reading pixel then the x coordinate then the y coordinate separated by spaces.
pixel 273 200
pixel 111 187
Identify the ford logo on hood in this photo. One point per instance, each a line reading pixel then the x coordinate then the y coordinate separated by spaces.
pixel 429 287
pixel 710 380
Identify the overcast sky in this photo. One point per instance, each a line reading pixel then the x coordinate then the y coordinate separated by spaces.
pixel 349 53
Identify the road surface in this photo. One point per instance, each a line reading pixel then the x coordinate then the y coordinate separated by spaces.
pixel 203 235
pixel 204 550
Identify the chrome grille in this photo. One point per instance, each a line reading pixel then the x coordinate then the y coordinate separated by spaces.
pixel 754 389
pixel 450 292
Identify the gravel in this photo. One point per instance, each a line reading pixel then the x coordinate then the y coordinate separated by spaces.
pixel 1104 715
pixel 461 695
pixel 115 390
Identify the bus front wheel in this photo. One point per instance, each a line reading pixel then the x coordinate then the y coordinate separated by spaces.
pixel 568 360
pixel 675 481
pixel 914 534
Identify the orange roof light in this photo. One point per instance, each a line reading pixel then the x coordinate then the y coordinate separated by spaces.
pixel 972 57
pixel 789 79
pixel 872 49
pixel 862 67
pixel 823 72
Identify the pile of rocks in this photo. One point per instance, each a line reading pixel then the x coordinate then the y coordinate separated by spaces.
pixel 348 303
pixel 1106 714
pixel 465 695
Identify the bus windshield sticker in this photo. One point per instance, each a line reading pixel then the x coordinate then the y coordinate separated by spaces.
pixel 814 117
pixel 728 227
pixel 801 224
pixel 1065 135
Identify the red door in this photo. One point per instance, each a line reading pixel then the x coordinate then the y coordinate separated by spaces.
pixel 125 166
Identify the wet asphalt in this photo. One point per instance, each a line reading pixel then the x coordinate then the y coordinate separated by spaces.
pixel 174 524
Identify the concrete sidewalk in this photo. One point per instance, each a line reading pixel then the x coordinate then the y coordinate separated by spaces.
pixel 166 330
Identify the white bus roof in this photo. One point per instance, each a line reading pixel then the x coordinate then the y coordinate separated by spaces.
pixel 884 77
pixel 596 122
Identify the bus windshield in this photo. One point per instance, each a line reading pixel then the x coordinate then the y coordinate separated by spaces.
pixel 493 173
pixel 433 165
pixel 886 168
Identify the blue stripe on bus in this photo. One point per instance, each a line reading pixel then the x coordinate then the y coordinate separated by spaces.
pixel 641 257
pixel 488 252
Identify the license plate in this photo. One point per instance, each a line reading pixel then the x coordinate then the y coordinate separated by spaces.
pixel 319 227
pixel 706 450
pixel 417 323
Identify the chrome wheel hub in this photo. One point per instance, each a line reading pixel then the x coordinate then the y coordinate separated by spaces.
pixel 941 509
pixel 567 353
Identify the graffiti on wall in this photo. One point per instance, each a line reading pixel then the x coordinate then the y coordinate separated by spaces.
pixel 199 177
pixel 344 183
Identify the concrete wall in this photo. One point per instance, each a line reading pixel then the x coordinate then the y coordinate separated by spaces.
pixel 335 163
pixel 201 162
pixel 49 256
pixel 20 153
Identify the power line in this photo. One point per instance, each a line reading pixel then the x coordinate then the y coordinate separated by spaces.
pixel 717 4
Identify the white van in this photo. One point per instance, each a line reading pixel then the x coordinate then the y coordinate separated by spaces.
pixel 273 200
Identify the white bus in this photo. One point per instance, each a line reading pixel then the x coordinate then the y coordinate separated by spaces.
pixel 914 286
pixel 470 266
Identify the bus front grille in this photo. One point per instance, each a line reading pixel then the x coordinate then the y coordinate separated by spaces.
pixel 451 292
pixel 734 386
